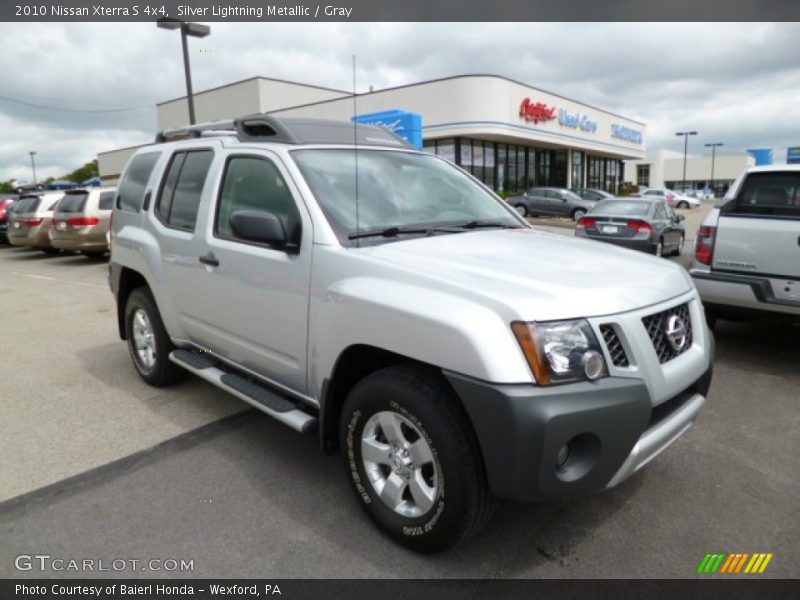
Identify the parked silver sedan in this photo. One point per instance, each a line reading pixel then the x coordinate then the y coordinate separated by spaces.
pixel 550 201
pixel 647 225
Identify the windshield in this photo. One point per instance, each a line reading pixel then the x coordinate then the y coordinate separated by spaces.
pixel 395 189
pixel 622 208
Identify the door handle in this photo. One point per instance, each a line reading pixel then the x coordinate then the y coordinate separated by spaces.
pixel 209 259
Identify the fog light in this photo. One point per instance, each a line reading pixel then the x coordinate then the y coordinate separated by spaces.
pixel 593 364
pixel 563 456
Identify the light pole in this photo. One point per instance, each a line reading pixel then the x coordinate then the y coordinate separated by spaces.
pixel 33 166
pixel 713 152
pixel 187 29
pixel 685 135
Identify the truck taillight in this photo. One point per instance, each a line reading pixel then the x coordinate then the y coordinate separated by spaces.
pixel 704 246
pixel 83 221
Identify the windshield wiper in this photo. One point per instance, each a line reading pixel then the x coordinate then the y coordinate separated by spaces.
pixel 390 232
pixel 475 224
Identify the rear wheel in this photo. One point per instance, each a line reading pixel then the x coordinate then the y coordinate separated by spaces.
pixel 94 255
pixel 148 342
pixel 406 441
pixel 521 209
pixel 659 249
pixel 51 250
pixel 683 204
pixel 679 249
pixel 577 214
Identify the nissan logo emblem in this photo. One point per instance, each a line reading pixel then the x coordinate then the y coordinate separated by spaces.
pixel 676 332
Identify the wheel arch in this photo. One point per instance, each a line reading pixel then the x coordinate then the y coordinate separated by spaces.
pixel 129 280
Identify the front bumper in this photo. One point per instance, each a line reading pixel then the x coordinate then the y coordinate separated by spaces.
pixel 611 427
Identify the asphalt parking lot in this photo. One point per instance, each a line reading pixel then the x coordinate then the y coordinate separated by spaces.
pixel 97 464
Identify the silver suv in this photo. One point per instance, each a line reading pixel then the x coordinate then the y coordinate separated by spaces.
pixel 747 254
pixel 338 280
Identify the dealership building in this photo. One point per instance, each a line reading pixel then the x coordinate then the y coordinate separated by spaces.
pixel 508 134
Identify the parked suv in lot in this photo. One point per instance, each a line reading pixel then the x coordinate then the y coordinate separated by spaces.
pixel 338 280
pixel 81 221
pixel 747 254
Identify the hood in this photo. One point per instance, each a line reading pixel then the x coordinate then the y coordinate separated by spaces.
pixel 539 275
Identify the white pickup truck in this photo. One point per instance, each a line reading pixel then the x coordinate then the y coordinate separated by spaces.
pixel 747 256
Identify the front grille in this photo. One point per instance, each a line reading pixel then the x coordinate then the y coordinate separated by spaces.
pixel 657 326
pixel 615 349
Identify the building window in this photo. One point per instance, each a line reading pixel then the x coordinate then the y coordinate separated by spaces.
pixel 559 171
pixel 502 152
pixel 446 149
pixel 543 167
pixel 577 169
pixel 643 175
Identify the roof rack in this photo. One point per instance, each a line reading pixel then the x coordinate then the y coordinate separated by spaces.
pixel 289 130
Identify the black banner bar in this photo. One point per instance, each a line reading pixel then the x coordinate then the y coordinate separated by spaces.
pixel 396 589
pixel 400 10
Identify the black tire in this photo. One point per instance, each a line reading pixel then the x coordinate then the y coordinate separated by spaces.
pixel 420 397
pixel 683 204
pixel 577 214
pixel 521 209
pixel 94 255
pixel 711 318
pixel 658 249
pixel 677 251
pixel 163 372
pixel 51 250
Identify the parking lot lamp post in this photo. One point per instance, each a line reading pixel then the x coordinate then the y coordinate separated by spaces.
pixel 713 152
pixel 33 165
pixel 685 135
pixel 187 29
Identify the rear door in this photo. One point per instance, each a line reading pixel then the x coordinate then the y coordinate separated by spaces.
pixel 758 232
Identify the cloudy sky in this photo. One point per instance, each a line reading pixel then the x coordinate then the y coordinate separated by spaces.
pixel 69 91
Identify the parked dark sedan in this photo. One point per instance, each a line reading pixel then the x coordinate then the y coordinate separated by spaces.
pixel 550 201
pixel 646 225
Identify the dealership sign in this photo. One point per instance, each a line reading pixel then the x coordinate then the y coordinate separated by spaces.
pixel 627 134
pixel 407 125
pixel 536 111
pixel 793 155
pixel 576 121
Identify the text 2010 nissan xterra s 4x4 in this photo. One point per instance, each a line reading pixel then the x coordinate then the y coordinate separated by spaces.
pixel 336 279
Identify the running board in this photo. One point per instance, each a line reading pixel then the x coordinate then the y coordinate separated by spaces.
pixel 264 399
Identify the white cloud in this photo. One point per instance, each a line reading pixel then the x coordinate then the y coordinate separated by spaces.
pixel 735 83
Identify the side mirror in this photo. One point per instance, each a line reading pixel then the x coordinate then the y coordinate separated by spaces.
pixel 258 226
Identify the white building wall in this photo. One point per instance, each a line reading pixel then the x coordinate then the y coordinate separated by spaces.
pixel 667 165
pixel 488 107
pixel 110 164
pixel 243 98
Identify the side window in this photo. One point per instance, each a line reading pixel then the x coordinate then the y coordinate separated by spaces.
pixel 131 189
pixel 106 201
pixel 668 212
pixel 253 183
pixel 660 211
pixel 183 185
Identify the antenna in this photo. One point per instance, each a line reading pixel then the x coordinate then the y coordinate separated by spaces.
pixel 355 144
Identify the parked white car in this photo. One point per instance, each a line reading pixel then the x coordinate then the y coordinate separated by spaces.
pixel 672 198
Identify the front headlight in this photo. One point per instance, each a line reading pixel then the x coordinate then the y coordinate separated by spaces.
pixel 561 351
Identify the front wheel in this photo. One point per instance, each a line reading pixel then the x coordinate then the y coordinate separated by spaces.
pixel 683 204
pixel 578 214
pixel 412 460
pixel 659 249
pixel 679 249
pixel 148 341
pixel 521 209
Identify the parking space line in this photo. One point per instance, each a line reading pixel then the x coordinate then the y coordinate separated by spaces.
pixel 57 279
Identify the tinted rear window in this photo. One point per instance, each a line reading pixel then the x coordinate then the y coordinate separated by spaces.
pixel 72 203
pixel 622 208
pixel 768 194
pixel 27 205
pixel 134 182
pixel 106 201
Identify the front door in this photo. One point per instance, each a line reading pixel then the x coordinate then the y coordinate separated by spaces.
pixel 254 298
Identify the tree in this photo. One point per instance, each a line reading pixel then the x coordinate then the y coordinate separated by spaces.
pixel 85 172
pixel 5 187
